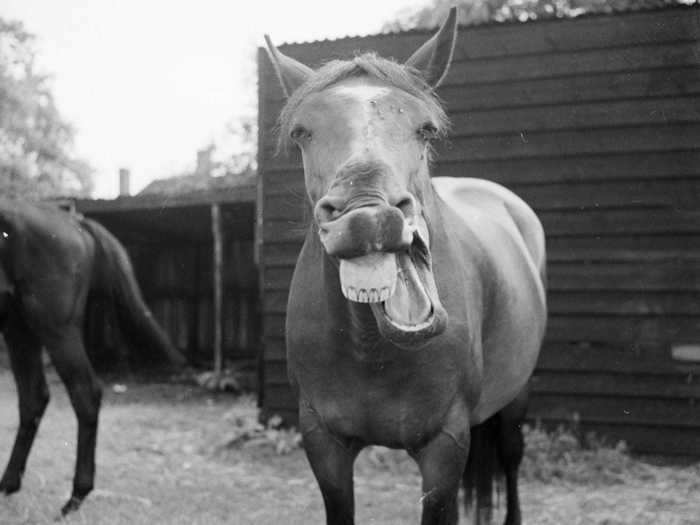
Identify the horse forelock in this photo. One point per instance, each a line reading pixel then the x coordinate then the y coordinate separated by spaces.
pixel 369 65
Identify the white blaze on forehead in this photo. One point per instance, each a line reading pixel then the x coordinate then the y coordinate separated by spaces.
pixel 364 96
pixel 362 92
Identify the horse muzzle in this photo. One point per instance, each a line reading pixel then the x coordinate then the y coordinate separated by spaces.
pixel 385 261
pixel 366 230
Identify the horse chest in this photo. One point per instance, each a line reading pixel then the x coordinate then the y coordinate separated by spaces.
pixel 381 406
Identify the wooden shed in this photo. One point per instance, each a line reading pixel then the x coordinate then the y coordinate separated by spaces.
pixel 596 123
pixel 171 241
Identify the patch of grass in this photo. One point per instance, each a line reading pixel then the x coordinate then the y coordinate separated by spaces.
pixel 562 454
pixel 246 431
pixel 550 456
pixel 179 454
pixel 383 459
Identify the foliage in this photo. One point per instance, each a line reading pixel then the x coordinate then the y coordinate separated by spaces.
pixel 230 379
pixel 249 432
pixel 36 157
pixel 483 11
pixel 236 146
pixel 241 145
pixel 563 455
pixel 560 455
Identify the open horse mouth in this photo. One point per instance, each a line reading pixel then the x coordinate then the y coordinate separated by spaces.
pixel 400 289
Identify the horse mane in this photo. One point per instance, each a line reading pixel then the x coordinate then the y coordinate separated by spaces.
pixel 371 65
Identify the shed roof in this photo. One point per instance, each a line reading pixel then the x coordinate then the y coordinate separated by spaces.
pixel 178 207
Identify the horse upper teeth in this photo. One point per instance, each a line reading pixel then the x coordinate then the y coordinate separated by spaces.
pixel 370 278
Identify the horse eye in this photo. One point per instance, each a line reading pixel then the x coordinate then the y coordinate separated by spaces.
pixel 428 132
pixel 300 133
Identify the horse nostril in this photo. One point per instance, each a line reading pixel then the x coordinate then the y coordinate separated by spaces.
pixel 407 205
pixel 327 210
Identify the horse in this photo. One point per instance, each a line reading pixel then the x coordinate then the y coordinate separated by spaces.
pixel 417 307
pixel 51 261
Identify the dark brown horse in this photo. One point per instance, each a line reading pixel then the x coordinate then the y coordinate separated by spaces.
pixel 50 261
pixel 416 309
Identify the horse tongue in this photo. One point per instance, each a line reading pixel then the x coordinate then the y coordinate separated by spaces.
pixel 370 278
pixel 410 304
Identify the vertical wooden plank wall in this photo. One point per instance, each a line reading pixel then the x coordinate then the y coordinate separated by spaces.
pixel 177 282
pixel 596 123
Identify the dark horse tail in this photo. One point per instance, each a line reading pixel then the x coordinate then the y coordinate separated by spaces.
pixel 496 451
pixel 114 275
pixel 484 470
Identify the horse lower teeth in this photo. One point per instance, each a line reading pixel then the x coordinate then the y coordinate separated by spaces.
pixel 362 295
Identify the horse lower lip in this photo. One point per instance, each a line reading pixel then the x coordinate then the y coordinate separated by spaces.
pixel 409 327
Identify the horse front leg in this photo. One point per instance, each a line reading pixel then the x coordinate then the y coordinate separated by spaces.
pixel 442 462
pixel 331 459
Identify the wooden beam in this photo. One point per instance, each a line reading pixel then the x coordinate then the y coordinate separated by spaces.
pixel 217 263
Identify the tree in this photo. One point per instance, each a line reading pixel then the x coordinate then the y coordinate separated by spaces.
pixel 36 157
pixel 239 144
pixel 482 11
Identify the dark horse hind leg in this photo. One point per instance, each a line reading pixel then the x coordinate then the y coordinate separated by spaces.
pixel 511 448
pixel 497 445
pixel 71 362
pixel 33 396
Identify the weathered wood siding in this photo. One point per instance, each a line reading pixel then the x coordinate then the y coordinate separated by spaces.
pixel 596 123
pixel 174 268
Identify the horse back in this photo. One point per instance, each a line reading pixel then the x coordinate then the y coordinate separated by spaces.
pixel 470 197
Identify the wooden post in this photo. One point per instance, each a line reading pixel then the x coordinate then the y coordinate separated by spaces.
pixel 217 283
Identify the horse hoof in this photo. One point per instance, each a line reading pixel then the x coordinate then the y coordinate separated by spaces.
pixel 8 487
pixel 72 505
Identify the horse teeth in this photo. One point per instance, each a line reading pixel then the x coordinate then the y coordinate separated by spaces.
pixel 367 275
pixel 384 293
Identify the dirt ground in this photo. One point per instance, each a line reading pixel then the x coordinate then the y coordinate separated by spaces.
pixel 163 458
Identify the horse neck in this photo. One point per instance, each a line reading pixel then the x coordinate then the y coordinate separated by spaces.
pixel 482 287
pixel 354 319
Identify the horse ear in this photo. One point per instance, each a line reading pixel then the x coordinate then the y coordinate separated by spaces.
pixel 433 58
pixel 291 73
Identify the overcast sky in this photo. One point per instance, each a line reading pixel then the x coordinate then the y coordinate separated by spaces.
pixel 148 82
